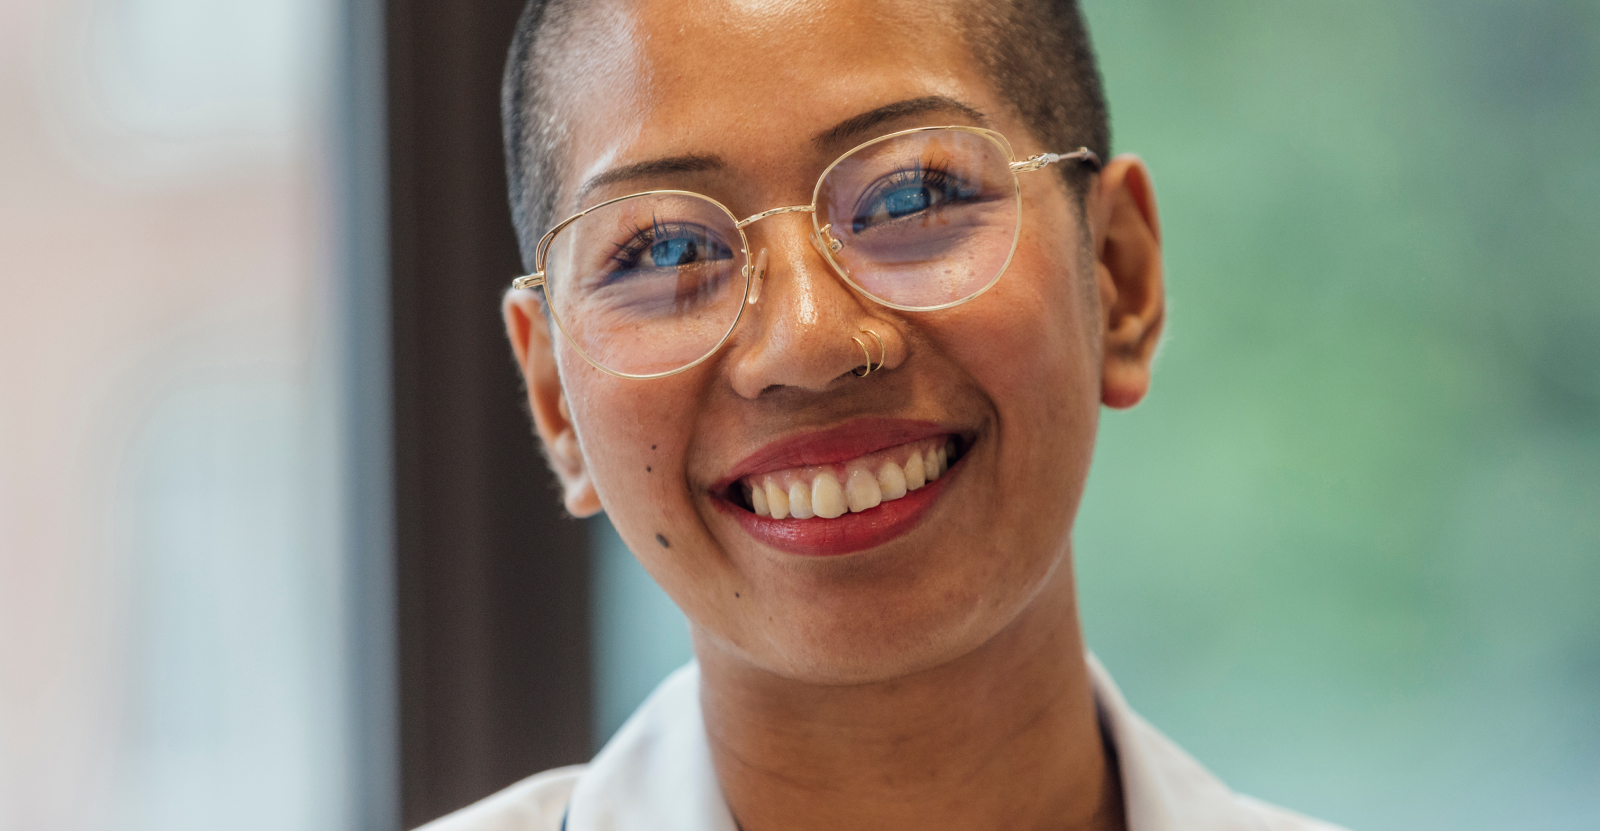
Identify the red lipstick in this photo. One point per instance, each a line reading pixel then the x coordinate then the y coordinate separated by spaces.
pixel 841 444
pixel 851 532
pixel 847 534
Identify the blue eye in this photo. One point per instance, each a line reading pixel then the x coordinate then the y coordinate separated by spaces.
pixel 668 245
pixel 910 192
pixel 674 252
pixel 907 201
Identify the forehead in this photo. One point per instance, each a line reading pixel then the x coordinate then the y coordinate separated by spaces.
pixel 751 80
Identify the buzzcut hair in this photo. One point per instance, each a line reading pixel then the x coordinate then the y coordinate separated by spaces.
pixel 1036 54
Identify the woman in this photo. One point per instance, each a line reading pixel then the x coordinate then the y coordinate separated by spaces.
pixel 826 298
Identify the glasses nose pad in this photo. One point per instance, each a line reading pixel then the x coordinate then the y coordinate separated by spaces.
pixel 823 241
pixel 758 276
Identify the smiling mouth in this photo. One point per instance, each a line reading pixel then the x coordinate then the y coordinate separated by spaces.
pixel 854 486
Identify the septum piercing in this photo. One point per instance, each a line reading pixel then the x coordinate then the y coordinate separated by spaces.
pixel 861 372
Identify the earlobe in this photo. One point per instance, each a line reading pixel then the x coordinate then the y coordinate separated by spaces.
pixel 547 400
pixel 1129 275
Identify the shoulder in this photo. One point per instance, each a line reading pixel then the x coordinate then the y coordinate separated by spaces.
pixel 655 774
pixel 1165 789
pixel 537 803
pixel 1190 797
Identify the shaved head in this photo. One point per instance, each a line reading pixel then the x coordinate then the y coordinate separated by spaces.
pixel 1036 54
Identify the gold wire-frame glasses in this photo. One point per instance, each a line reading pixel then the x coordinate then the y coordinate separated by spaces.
pixel 823 238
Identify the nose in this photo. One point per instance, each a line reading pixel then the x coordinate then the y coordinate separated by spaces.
pixel 806 330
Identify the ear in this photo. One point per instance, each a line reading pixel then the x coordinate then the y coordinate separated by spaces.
pixel 552 418
pixel 1129 276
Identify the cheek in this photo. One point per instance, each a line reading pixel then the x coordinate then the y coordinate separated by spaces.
pixel 632 444
pixel 1029 348
pixel 1031 339
pixel 636 437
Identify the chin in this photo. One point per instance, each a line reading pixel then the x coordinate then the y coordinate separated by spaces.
pixel 874 646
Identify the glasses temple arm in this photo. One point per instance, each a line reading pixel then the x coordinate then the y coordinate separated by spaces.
pixel 1083 155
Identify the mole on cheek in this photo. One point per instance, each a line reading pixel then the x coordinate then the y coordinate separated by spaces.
pixel 663 541
pixel 646 468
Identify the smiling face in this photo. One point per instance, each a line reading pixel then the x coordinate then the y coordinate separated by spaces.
pixel 751 101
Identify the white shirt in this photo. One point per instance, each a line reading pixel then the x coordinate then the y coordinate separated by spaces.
pixel 656 775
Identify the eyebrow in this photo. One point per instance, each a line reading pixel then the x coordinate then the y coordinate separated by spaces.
pixel 849 128
pixel 654 167
pixel 856 125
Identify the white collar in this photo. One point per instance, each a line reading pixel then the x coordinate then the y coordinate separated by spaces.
pixel 656 773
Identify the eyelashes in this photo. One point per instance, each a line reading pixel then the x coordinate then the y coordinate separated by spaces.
pixel 626 254
pixel 908 191
pixel 916 187
pixel 693 240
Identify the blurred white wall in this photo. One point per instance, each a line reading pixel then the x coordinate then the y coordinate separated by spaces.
pixel 171 614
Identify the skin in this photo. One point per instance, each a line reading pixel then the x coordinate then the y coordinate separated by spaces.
pixel 937 681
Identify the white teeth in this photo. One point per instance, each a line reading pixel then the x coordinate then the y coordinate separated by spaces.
pixel 891 481
pixel 815 491
pixel 916 476
pixel 861 490
pixel 777 502
pixel 800 501
pixel 827 498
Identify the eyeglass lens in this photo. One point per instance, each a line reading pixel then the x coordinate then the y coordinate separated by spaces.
pixel 922 220
pixel 653 283
pixel 649 284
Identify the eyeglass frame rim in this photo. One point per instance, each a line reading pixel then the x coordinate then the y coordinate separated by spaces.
pixel 1039 161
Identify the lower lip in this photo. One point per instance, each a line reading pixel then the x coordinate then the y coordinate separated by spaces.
pixel 846 534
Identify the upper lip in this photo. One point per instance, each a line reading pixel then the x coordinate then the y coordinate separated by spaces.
pixel 833 445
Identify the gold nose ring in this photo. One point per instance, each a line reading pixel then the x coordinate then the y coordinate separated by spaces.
pixel 883 354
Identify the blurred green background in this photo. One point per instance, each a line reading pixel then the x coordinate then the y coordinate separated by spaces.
pixel 1348 552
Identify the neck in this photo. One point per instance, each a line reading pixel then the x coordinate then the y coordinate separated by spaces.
pixel 1004 737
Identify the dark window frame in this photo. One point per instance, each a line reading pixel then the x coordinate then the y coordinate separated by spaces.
pixel 490 577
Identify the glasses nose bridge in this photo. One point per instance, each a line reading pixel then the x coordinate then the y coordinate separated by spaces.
pixel 820 239
pixel 787 209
